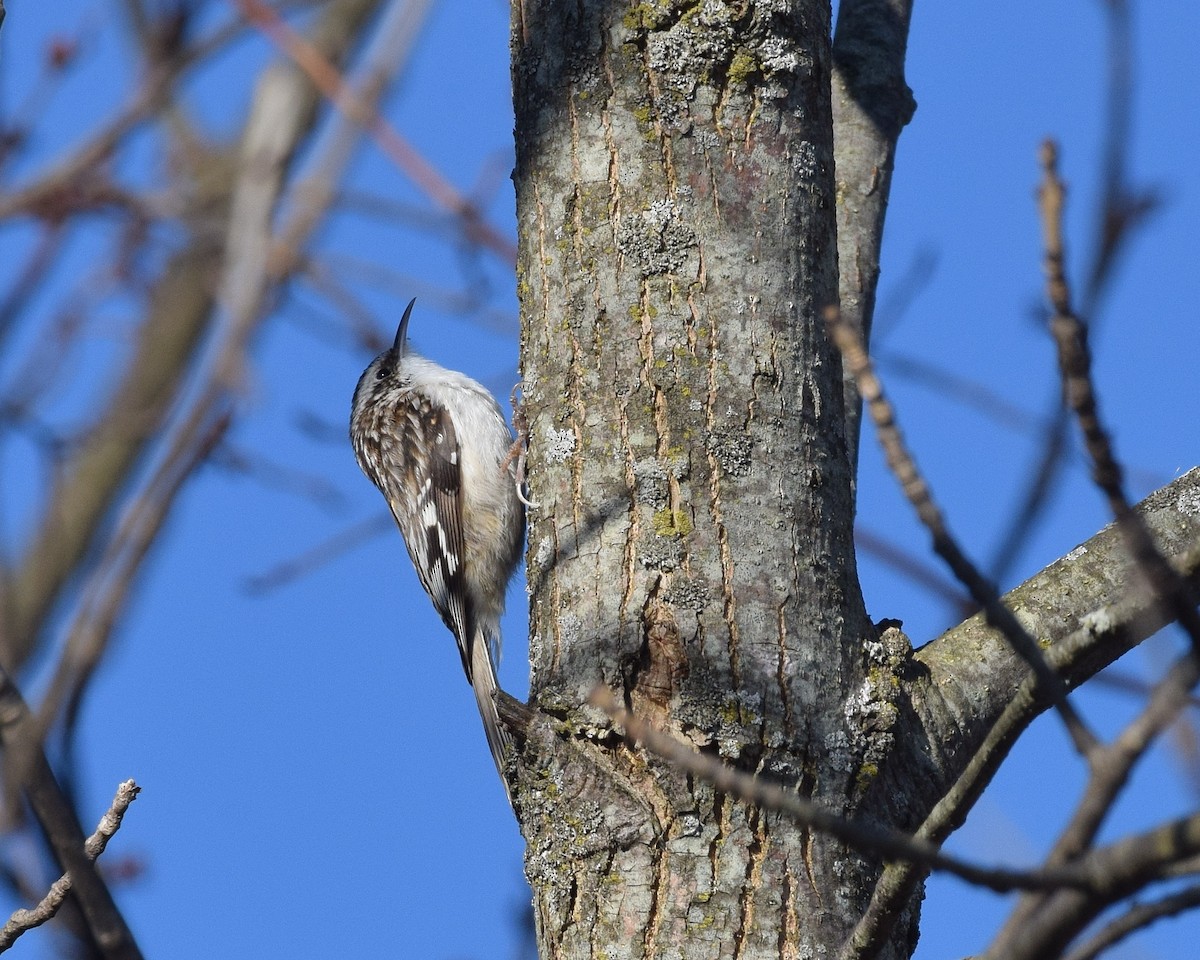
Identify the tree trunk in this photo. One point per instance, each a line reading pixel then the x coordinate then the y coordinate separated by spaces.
pixel 692 549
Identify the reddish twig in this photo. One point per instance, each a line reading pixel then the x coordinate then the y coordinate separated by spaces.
pixel 328 80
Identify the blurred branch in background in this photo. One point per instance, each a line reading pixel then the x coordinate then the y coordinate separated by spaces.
pixel 1122 209
pixel 197 248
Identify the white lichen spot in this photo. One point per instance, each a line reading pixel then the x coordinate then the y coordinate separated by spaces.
pixel 660 212
pixel 1189 504
pixel 1098 621
pixel 858 701
pixel 704 140
pixel 543 553
pixel 1078 552
pixel 804 159
pixel 837 748
pixel 777 54
pixel 560 444
pixel 570 627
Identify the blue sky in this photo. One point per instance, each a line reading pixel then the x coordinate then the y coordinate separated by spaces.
pixel 314 777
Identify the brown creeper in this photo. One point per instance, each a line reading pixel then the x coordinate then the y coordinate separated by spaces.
pixel 437 446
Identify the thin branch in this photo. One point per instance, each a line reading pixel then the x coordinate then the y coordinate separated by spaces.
pixel 959 389
pixel 270 474
pixel 917 492
pixel 1123 868
pixel 313 193
pixel 29 279
pixel 24 920
pixel 906 564
pixel 1079 890
pixel 109 585
pixel 179 313
pixel 1053 918
pixel 403 287
pixel 1112 765
pixel 297 567
pixel 1132 685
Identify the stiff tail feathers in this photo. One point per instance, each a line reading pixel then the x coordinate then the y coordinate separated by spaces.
pixel 483 680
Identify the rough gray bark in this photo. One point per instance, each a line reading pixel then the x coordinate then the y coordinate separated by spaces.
pixel 692 550
pixel 693 547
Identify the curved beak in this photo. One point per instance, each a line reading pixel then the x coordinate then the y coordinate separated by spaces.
pixel 398 347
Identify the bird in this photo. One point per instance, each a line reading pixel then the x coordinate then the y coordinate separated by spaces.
pixel 437 446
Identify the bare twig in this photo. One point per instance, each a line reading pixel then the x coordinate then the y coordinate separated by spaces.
pixel 311 196
pixel 341 542
pixel 959 389
pixel 1075 363
pixel 23 920
pixel 1055 919
pixel 41 258
pixel 278 476
pixel 29 768
pixel 1124 623
pixel 913 568
pixel 1127 867
pixel 109 584
pixel 1121 209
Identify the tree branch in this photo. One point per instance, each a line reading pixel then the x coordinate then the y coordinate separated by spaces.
pixel 1121 209
pixel 917 492
pixel 1108 873
pixel 971 686
pixel 1121 869
pixel 972 674
pixel 871 105
pixel 1075 364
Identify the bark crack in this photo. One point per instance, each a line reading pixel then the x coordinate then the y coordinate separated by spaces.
pixel 654 915
pixel 789 930
pixel 782 672
pixel 729 603
pixel 635 526
pixel 757 852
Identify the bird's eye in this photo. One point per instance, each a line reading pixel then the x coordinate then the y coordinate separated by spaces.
pixel 383 372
